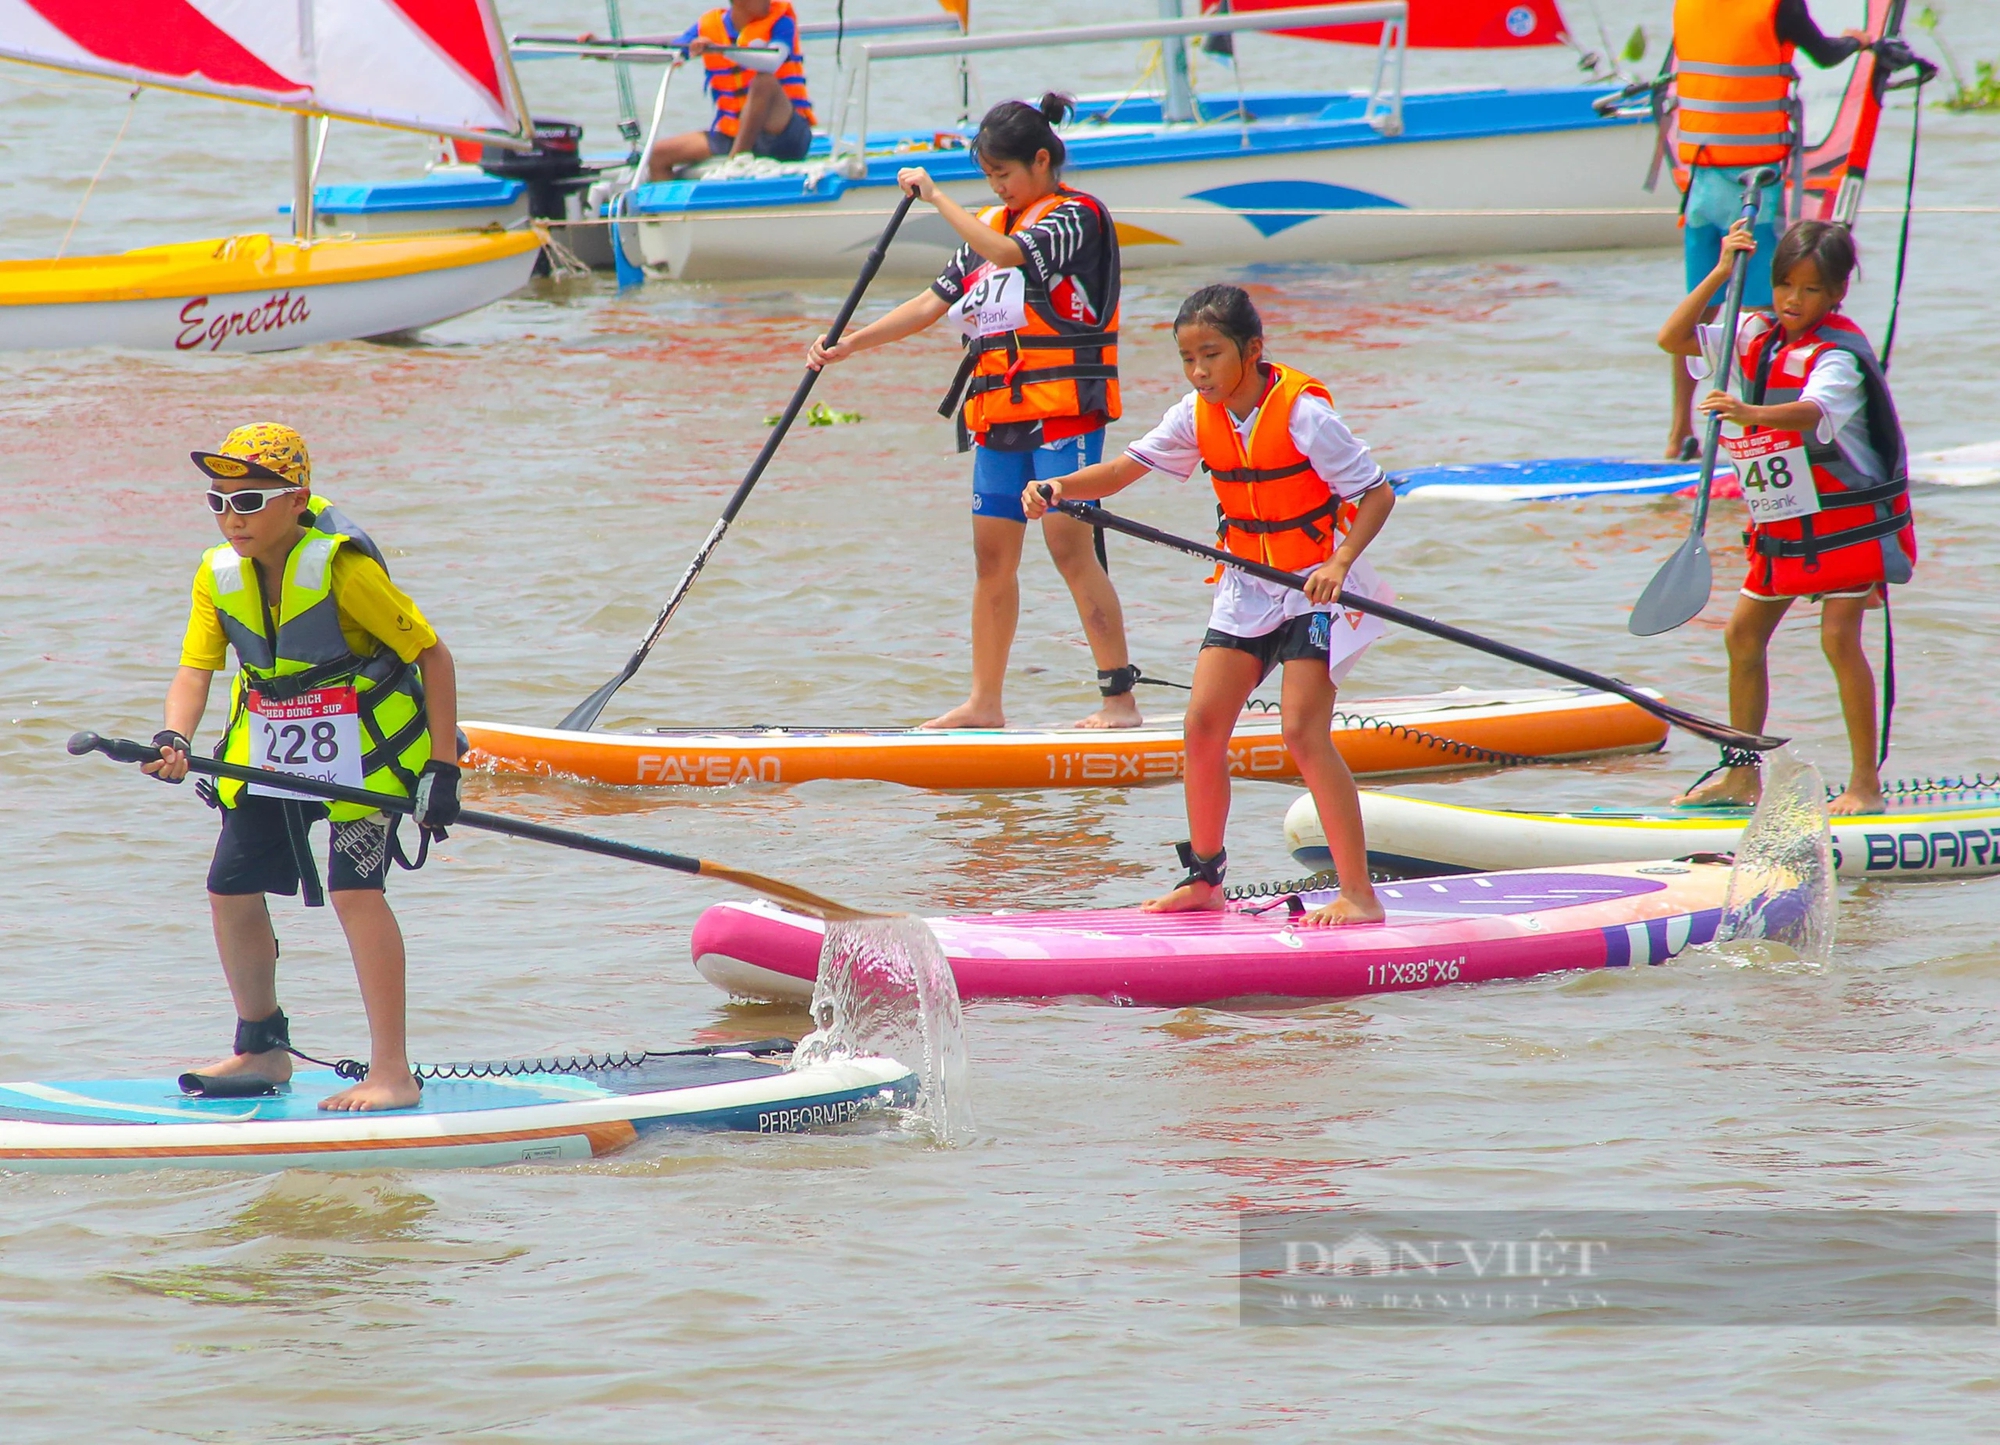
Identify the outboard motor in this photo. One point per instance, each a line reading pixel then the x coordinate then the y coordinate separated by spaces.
pixel 554 170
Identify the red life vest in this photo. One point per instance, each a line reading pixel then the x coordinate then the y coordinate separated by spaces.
pixel 1271 506
pixel 729 82
pixel 1061 362
pixel 1733 83
pixel 1864 532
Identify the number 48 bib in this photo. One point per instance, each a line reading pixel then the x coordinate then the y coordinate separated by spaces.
pixel 1775 472
pixel 314 735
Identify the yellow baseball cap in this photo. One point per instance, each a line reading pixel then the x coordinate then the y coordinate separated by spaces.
pixel 266 449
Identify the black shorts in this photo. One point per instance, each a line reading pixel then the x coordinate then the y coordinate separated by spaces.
pixel 254 853
pixel 1293 640
pixel 790 144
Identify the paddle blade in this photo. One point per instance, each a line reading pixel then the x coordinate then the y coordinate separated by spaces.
pixel 1677 593
pixel 583 717
pixel 792 896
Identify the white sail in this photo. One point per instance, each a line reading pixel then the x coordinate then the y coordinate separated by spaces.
pixel 430 65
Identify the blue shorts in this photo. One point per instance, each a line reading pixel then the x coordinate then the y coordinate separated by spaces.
pixel 1715 200
pixel 999 478
pixel 789 144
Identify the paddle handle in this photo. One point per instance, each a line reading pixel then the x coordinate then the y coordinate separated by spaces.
pixel 127 751
pixel 1732 308
pixel 1097 517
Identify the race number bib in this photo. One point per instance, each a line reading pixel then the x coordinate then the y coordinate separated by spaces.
pixel 314 735
pixel 995 301
pixel 1775 472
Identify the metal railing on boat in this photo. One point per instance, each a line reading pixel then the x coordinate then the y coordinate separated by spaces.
pixel 1385 98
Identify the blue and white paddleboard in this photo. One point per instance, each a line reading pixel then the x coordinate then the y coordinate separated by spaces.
pixel 116 1125
pixel 1563 479
pixel 1552 479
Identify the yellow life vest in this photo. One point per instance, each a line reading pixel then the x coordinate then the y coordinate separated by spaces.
pixel 308 652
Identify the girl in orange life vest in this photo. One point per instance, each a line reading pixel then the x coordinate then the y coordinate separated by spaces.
pixel 1298 491
pixel 1034 289
pixel 1822 460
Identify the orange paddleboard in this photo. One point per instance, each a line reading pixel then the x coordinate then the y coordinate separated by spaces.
pixel 1378 737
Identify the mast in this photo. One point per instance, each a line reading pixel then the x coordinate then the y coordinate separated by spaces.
pixel 1179 104
pixel 302 177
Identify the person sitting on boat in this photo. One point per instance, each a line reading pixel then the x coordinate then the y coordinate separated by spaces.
pixel 1295 490
pixel 1823 466
pixel 1034 291
pixel 1734 88
pixel 764 114
pixel 341 678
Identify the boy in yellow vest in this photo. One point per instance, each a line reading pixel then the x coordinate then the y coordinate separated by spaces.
pixel 341 679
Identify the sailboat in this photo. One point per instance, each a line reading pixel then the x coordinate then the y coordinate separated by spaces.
pixel 436 66
pixel 1226 178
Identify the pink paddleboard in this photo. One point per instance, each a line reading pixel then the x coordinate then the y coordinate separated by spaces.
pixel 1470 928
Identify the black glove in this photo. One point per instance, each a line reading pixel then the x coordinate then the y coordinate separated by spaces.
pixel 168 738
pixel 437 797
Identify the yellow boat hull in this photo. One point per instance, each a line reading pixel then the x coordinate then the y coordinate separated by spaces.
pixel 257 292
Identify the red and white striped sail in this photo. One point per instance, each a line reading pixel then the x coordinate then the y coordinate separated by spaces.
pixel 1437 24
pixel 430 65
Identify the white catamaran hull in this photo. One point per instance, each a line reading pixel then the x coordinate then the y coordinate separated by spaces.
pixel 1563 191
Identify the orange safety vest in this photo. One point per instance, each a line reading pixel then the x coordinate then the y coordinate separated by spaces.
pixel 1059 363
pixel 729 82
pixel 1272 507
pixel 1733 82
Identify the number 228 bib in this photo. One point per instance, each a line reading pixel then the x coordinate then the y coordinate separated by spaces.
pixel 314 735
pixel 995 301
pixel 1775 472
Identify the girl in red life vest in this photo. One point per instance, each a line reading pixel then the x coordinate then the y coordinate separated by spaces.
pixel 1296 490
pixel 1816 443
pixel 1034 292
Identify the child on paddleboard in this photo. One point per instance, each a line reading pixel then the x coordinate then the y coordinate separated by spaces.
pixel 1034 292
pixel 1815 440
pixel 1298 491
pixel 341 679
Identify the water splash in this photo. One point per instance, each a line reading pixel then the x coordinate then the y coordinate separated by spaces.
pixel 884 987
pixel 1781 889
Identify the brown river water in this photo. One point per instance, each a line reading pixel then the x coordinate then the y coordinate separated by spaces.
pixel 541 471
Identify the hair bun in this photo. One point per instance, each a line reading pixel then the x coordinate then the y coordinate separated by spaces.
pixel 1057 107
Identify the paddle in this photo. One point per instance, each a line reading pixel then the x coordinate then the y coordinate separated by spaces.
pixel 127 751
pixel 1679 590
pixel 584 715
pixel 1699 726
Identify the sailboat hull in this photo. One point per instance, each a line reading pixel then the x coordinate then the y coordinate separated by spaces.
pixel 255 293
pixel 1474 173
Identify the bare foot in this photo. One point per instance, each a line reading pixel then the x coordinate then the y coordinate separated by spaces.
pixel 1344 910
pixel 274 1066
pixel 1857 800
pixel 386 1092
pixel 966 715
pixel 1118 712
pixel 1732 787
pixel 1194 897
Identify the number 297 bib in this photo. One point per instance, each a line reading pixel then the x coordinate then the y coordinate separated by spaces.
pixel 314 735
pixel 995 302
pixel 1775 472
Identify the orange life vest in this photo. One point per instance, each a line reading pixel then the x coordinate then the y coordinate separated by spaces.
pixel 1864 532
pixel 1062 361
pixel 1272 507
pixel 1733 82
pixel 729 82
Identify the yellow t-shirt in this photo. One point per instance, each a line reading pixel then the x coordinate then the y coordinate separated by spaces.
pixel 374 612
